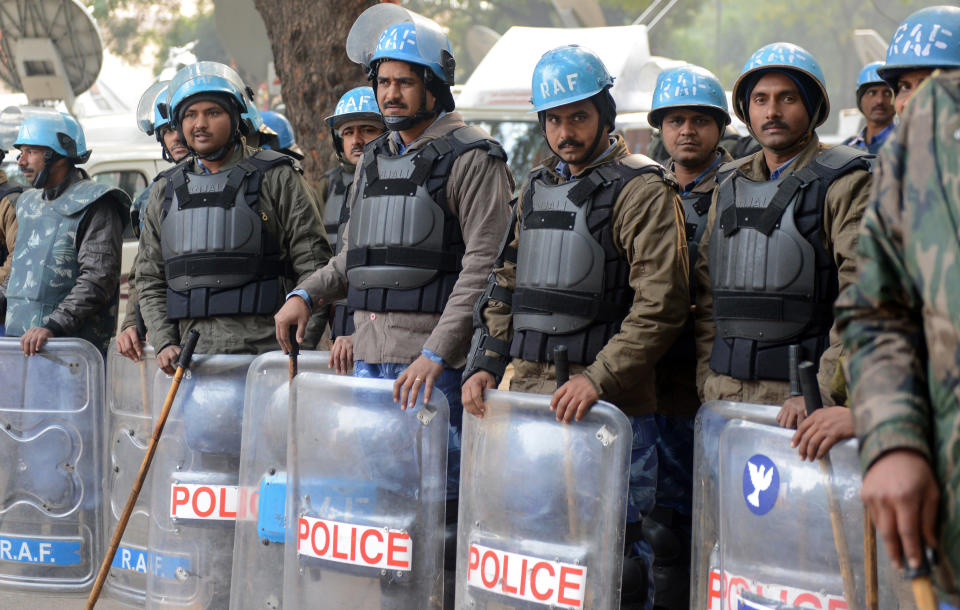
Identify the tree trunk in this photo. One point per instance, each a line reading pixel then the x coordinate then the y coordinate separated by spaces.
pixel 308 38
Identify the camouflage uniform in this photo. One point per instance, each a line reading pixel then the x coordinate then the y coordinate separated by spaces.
pixel 901 319
pixel 66 265
pixel 289 212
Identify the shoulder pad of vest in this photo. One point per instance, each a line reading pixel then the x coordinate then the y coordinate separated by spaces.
pixel 734 165
pixel 85 193
pixel 641 162
pixel 332 172
pixel 265 158
pixel 843 157
pixel 8 189
pixel 470 136
pixel 166 173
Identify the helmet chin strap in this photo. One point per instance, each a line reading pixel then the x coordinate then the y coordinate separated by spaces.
pixel 403 123
pixel 49 158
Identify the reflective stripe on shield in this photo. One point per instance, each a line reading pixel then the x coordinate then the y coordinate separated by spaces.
pixel 258 543
pixel 51 407
pixel 542 505
pixel 366 496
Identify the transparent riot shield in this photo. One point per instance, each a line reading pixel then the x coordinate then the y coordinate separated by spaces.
pixel 762 518
pixel 258 543
pixel 51 407
pixel 127 427
pixel 542 506
pixel 366 498
pixel 194 499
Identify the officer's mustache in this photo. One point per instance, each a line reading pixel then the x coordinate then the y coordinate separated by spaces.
pixel 570 143
pixel 397 105
pixel 357 148
pixel 770 124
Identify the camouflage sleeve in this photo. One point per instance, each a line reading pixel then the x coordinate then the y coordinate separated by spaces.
pixel 648 227
pixel 100 242
pixel 879 316
pixel 846 200
pixel 151 277
pixel 302 235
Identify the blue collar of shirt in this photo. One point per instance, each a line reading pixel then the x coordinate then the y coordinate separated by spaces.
pixel 860 140
pixel 399 141
pixel 775 174
pixel 563 168
pixel 685 190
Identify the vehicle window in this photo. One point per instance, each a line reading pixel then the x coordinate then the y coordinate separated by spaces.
pixel 10 167
pixel 524 143
pixel 131 182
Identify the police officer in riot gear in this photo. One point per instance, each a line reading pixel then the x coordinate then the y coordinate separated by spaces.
pixel 430 201
pixel 780 239
pixel 875 103
pixel 263 232
pixel 355 121
pixel 64 279
pixel 151 122
pixel 690 110
pixel 924 42
pixel 612 286
pixel 286 142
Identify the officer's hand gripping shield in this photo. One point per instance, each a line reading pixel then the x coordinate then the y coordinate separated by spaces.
pixel 258 542
pixel 194 496
pixel 542 506
pixel 366 499
pixel 761 516
pixel 51 481
pixel 127 428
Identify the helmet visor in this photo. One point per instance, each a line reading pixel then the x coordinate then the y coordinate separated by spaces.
pixel 147 107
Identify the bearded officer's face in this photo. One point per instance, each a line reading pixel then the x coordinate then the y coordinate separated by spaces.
pixel 777 115
pixel 206 126
pixel 400 90
pixel 31 161
pixel 690 136
pixel 171 139
pixel 355 135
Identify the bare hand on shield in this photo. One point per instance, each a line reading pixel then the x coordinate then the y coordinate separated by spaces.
pixel 128 344
pixel 167 359
pixel 341 355
pixel 793 412
pixel 573 399
pixel 902 495
pixel 421 374
pixel 294 312
pixel 471 394
pixel 34 339
pixel 823 429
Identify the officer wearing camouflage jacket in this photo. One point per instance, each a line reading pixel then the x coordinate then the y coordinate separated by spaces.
pixel 229 280
pixel 901 327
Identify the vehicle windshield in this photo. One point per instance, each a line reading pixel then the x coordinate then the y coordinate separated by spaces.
pixel 9 166
pixel 523 141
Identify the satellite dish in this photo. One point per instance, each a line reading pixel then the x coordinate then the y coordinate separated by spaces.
pixel 49 49
pixel 241 30
pixel 869 46
pixel 580 13
pixel 480 39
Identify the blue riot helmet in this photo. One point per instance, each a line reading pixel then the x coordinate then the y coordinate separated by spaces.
pixel 796 63
pixel 689 87
pixel 209 81
pixel 570 74
pixel 359 103
pixel 57 131
pixel 286 143
pixel 926 40
pixel 390 32
pixel 869 76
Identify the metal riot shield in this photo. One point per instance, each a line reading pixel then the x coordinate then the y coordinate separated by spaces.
pixel 762 518
pixel 543 506
pixel 127 427
pixel 194 499
pixel 366 498
pixel 258 543
pixel 51 407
